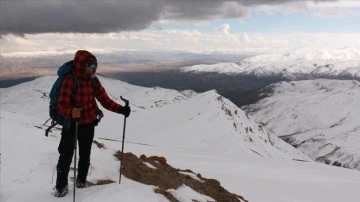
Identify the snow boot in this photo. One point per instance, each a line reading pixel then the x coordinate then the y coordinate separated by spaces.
pixel 61 191
pixel 80 184
pixel 61 188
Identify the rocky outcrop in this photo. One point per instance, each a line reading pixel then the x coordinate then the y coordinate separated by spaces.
pixel 155 171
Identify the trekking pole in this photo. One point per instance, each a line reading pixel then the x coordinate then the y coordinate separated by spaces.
pixel 75 148
pixel 123 139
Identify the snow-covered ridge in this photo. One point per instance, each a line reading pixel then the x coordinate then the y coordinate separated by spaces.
pixel 292 64
pixel 171 116
pixel 31 98
pixel 319 117
pixel 212 122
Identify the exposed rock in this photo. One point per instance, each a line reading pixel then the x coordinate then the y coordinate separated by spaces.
pixel 155 171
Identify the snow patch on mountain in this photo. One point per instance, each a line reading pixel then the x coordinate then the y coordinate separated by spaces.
pixel 319 117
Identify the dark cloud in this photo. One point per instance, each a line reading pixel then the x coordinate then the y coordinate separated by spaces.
pixel 192 10
pixel 210 9
pixel 102 16
pixel 77 16
pixel 275 2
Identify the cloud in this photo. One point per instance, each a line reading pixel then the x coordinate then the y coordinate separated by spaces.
pixel 174 40
pixel 345 9
pixel 223 29
pixel 41 16
pixel 91 16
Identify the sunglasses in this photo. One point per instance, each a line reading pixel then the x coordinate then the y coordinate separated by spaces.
pixel 92 66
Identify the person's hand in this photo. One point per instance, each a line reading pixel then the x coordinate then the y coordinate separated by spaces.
pixel 125 110
pixel 75 113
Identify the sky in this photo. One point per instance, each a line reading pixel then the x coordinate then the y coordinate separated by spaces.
pixel 184 25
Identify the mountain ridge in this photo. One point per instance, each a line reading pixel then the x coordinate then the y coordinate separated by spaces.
pixel 292 65
pixel 319 117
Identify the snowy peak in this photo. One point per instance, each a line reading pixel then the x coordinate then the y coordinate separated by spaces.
pixel 294 64
pixel 224 68
pixel 209 122
pixel 254 136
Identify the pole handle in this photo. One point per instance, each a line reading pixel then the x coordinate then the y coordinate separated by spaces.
pixel 125 100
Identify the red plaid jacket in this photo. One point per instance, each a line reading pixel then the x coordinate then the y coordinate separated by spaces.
pixel 85 95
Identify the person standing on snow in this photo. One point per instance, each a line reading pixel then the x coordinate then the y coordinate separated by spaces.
pixel 82 108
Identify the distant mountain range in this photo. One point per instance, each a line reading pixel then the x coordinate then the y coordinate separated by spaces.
pixel 296 64
pixel 45 63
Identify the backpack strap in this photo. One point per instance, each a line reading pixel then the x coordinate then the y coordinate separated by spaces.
pixel 53 124
pixel 75 85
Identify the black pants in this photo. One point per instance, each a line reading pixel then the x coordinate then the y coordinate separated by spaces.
pixel 66 150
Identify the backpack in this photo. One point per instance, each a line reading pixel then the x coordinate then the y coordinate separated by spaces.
pixel 55 116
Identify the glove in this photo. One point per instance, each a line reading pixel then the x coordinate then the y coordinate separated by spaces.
pixel 125 110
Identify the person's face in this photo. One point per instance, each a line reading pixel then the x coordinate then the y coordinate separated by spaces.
pixel 90 70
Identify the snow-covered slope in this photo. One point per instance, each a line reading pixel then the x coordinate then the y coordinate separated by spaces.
pixel 293 64
pixel 31 98
pixel 208 120
pixel 319 117
pixel 205 133
pixel 29 158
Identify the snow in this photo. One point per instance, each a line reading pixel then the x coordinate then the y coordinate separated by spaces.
pixel 186 194
pixel 192 132
pixel 318 62
pixel 320 116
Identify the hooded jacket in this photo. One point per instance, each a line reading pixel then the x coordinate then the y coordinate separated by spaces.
pixel 85 95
